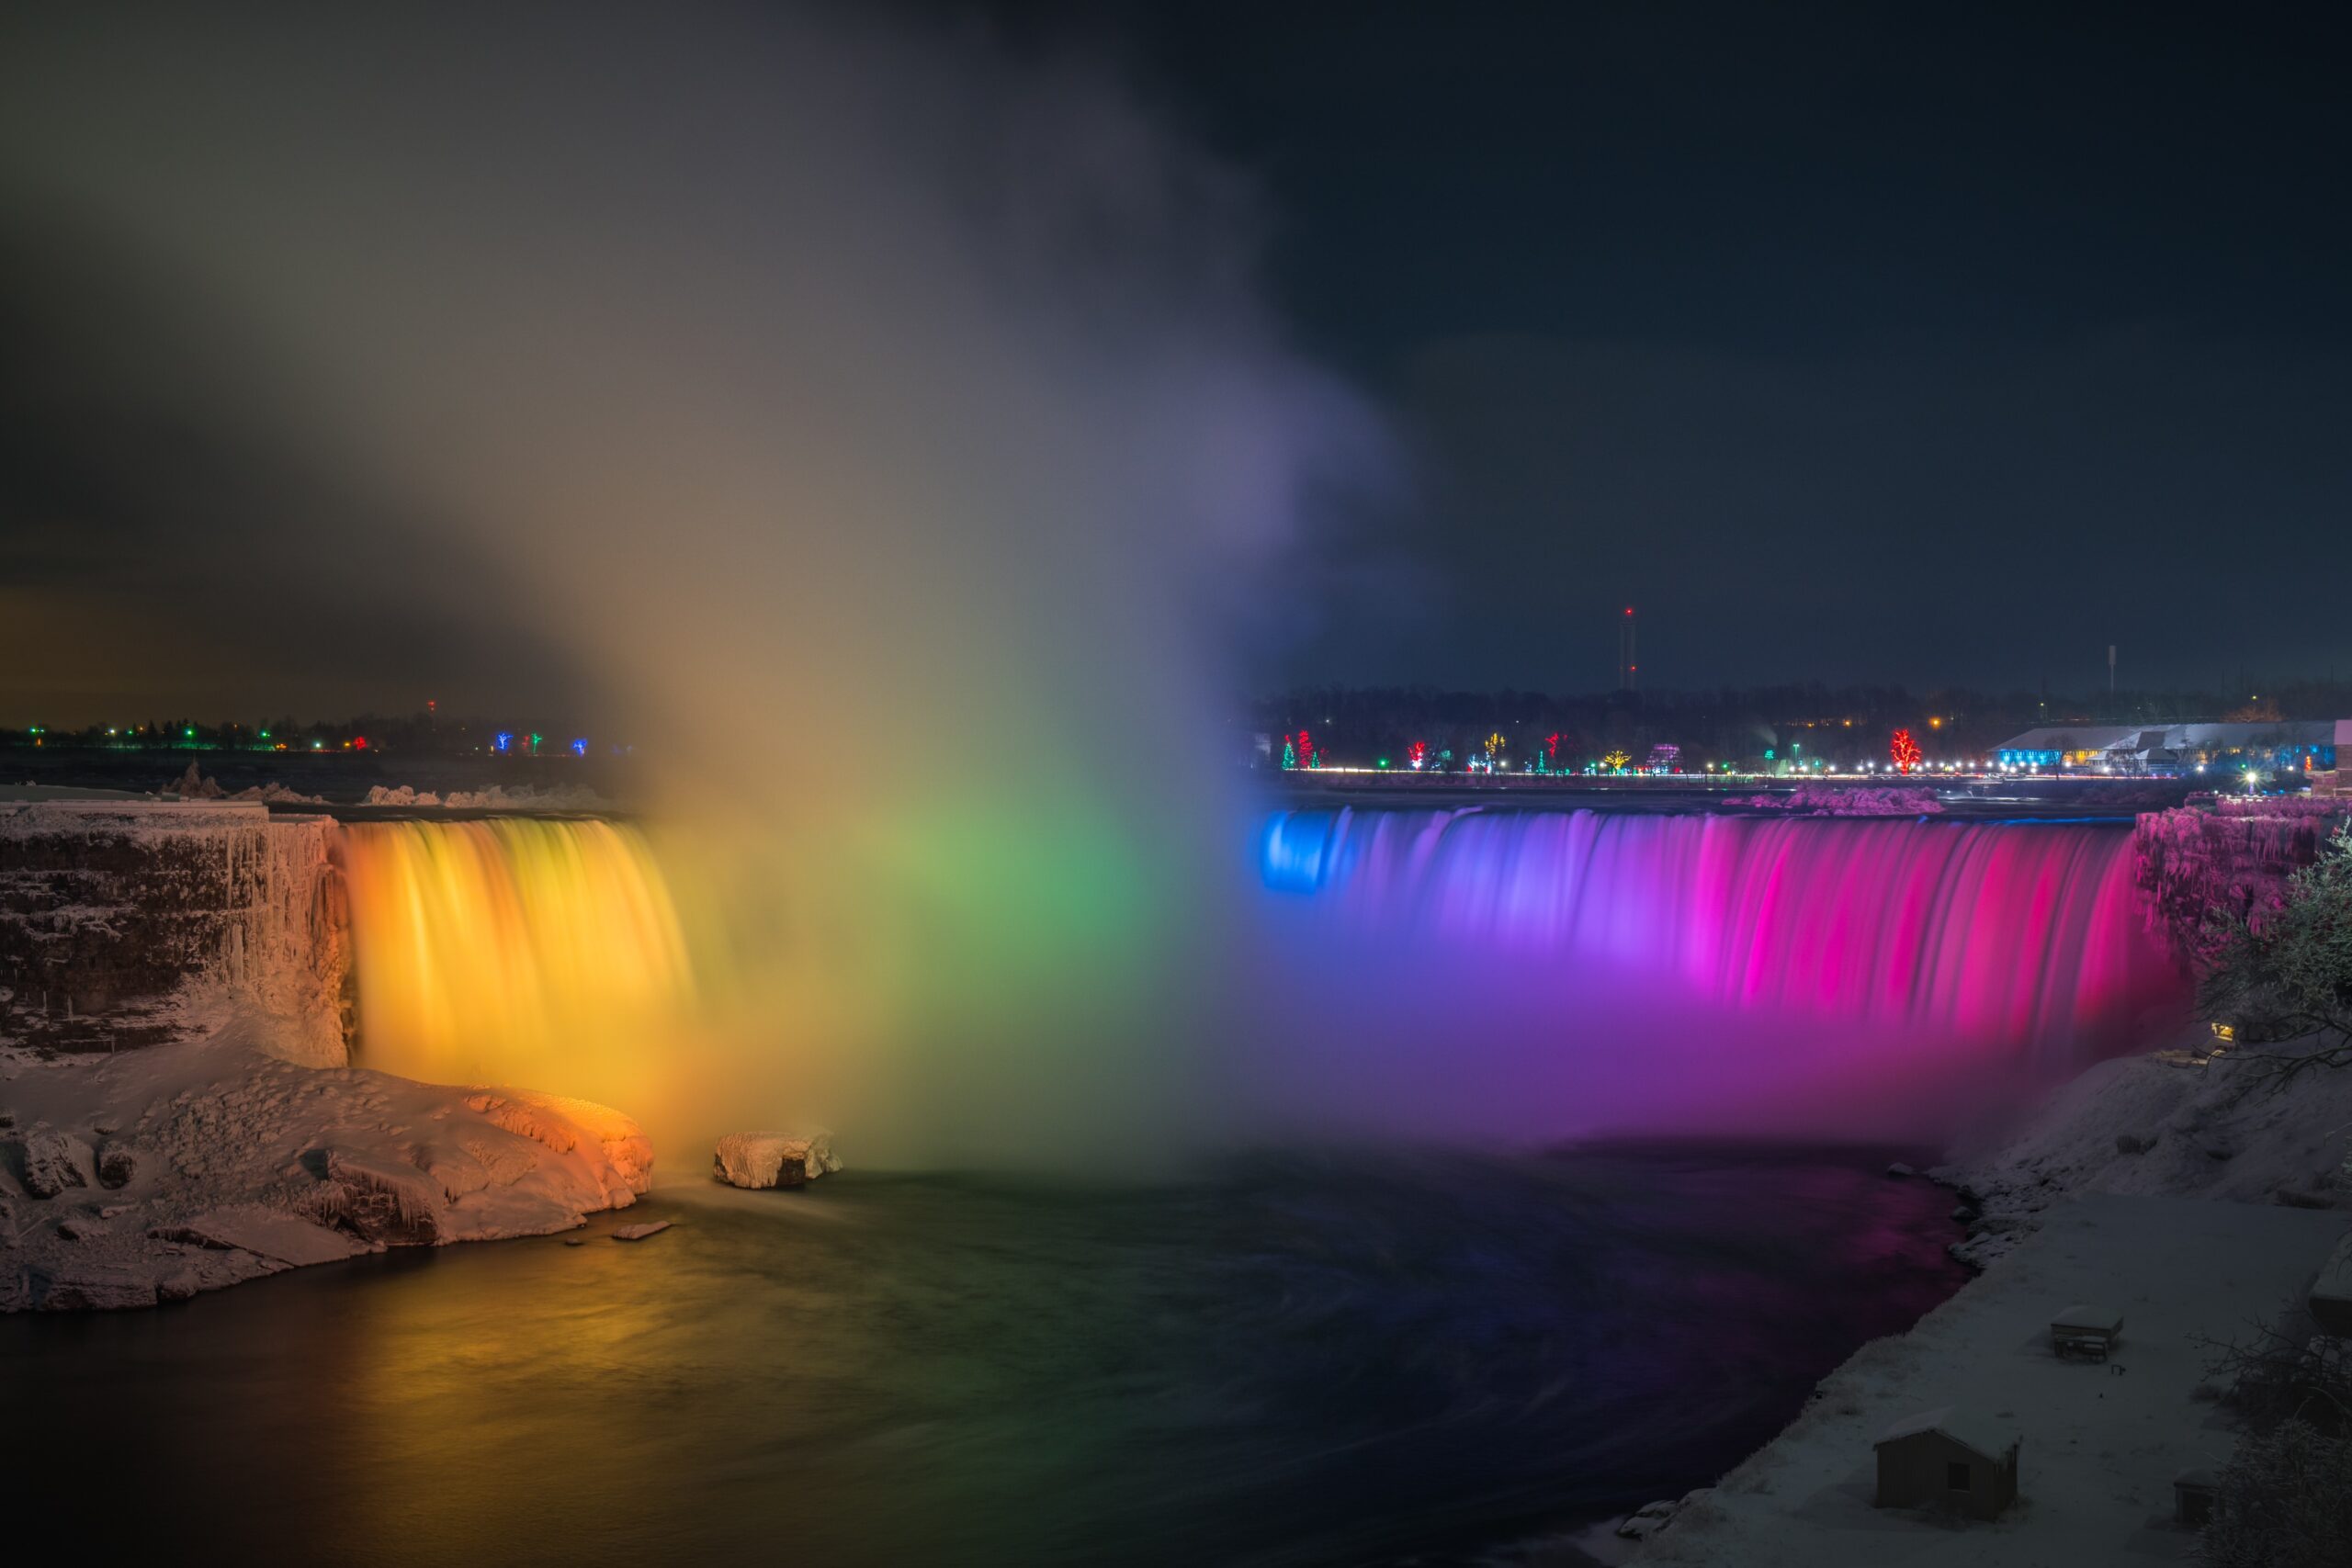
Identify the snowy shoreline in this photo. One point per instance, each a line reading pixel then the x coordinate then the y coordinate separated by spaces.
pixel 2183 1194
pixel 156 1173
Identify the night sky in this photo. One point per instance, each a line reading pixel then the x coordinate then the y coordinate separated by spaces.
pixel 1931 343
pixel 1855 344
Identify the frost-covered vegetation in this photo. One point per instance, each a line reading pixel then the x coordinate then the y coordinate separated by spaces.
pixel 2286 1502
pixel 2215 870
pixel 2283 972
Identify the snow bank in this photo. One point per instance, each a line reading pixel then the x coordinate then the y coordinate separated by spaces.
pixel 2101 1446
pixel 2187 1196
pixel 244 1165
pixel 497 797
pixel 194 785
pixel 1825 800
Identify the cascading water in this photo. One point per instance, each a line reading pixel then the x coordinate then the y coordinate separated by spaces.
pixel 1477 972
pixel 1609 969
pixel 512 949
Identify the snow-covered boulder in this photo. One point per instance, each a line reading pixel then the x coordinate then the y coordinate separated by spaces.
pixel 1651 1517
pixel 55 1161
pixel 264 1232
pixel 773 1159
pixel 566 1126
pixel 117 1165
pixel 94 1286
pixel 381 1201
pixel 1646 1520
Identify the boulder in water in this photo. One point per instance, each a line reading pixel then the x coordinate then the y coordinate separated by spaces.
pixel 773 1159
pixel 639 1232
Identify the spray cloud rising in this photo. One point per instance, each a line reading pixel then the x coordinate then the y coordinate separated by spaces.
pixel 870 422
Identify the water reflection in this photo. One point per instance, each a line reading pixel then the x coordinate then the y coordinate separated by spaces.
pixel 1331 1360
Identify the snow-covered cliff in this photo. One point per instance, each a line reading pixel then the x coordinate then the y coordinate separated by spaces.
pixel 129 921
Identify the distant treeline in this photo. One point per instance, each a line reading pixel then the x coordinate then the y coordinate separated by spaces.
pixel 1729 727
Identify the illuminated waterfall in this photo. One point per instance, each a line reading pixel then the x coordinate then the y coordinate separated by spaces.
pixel 511 950
pixel 1622 968
pixel 1477 972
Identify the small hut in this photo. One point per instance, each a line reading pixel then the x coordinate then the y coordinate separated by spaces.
pixel 1949 1459
pixel 2193 1492
pixel 2087 1330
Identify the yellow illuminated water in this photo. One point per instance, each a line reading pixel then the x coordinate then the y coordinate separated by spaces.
pixel 511 950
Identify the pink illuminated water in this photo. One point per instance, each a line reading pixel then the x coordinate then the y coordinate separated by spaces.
pixel 1702 971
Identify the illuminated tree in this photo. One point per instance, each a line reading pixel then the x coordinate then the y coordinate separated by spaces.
pixel 1307 751
pixel 1417 753
pixel 1615 760
pixel 1906 751
pixel 1290 753
pixel 1552 749
pixel 1495 744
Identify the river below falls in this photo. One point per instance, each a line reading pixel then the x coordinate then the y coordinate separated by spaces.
pixel 1303 1359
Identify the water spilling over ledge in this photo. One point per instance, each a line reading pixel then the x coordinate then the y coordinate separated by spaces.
pixel 1890 954
pixel 1479 973
pixel 510 947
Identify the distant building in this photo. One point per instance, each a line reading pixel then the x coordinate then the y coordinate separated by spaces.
pixel 2164 749
pixel 2340 781
pixel 1949 1459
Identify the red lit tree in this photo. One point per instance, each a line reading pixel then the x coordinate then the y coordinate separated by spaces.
pixel 1417 753
pixel 1305 750
pixel 1904 750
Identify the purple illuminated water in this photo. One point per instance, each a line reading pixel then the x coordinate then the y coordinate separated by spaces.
pixel 1555 973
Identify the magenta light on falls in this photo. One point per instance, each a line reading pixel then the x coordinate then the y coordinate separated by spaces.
pixel 1607 954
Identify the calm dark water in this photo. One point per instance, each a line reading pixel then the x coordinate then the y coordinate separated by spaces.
pixel 1305 1360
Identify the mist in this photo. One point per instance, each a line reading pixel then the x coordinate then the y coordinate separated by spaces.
pixel 879 425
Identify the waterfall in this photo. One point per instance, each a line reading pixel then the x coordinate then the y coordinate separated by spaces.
pixel 512 948
pixel 1643 966
pixel 1482 972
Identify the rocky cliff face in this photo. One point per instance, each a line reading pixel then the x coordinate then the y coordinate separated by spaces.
pixel 120 919
pixel 238 1143
pixel 2224 858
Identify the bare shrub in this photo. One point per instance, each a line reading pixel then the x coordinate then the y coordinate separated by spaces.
pixel 2285 1501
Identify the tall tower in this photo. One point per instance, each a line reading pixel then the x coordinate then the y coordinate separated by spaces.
pixel 1629 669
